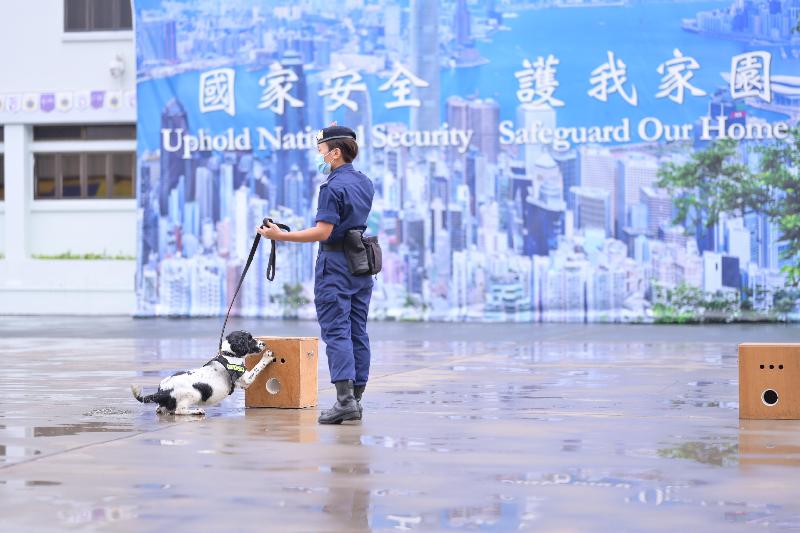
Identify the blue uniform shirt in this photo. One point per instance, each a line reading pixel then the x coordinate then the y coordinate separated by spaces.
pixel 345 201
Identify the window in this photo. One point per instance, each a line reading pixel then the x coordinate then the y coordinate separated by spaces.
pixel 74 161
pixel 71 175
pixel 2 171
pixel 97 15
pixel 84 175
pixel 122 172
pixel 100 132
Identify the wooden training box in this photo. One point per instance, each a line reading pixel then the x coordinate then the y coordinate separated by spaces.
pixel 769 381
pixel 291 380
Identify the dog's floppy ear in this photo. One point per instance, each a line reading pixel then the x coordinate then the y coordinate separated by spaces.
pixel 226 347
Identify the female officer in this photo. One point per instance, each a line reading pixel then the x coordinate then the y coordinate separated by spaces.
pixel 341 299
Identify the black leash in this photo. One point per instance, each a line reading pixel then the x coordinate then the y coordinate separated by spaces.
pixel 270 270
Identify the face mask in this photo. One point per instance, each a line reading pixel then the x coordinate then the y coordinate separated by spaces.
pixel 323 166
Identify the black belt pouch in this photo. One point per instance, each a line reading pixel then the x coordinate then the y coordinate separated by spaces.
pixel 356 253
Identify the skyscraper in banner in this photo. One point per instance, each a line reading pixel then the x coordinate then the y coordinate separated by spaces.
pixel 204 194
pixel 491 12
pixel 480 116
pixel 592 208
pixel 457 116
pixel 158 40
pixel 362 116
pixel 392 26
pixel 425 63
pixel 597 168
pixel 544 220
pixel 484 119
pixel 414 237
pixel 531 116
pixel 659 208
pixel 173 166
pixel 148 243
pixel 292 120
pixel 633 172
pixel 462 23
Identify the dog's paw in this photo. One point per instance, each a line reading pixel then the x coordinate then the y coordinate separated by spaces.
pixel 195 412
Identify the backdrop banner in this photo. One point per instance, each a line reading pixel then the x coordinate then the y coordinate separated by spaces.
pixel 592 161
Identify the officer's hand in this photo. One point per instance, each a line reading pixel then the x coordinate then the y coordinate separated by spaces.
pixel 270 231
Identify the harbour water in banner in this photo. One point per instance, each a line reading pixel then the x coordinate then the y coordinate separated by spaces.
pixel 533 161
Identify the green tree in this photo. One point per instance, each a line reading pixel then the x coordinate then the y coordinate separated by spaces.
pixel 715 182
pixel 292 299
pixel 785 300
pixel 684 304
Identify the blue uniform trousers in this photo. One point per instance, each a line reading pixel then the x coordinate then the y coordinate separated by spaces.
pixel 342 302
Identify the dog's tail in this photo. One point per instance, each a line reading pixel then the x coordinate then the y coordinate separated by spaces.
pixel 159 397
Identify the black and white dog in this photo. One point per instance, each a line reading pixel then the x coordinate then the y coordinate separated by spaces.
pixel 210 384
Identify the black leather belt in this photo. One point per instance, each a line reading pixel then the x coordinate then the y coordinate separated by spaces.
pixel 333 247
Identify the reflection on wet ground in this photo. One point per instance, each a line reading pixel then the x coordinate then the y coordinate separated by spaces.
pixel 487 436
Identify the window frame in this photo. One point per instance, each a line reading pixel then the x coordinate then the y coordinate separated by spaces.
pixel 83 169
pixel 2 175
pixel 83 132
pixel 84 148
pixel 2 165
pixel 89 18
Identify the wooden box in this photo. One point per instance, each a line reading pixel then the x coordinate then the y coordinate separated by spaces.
pixel 769 381
pixel 291 380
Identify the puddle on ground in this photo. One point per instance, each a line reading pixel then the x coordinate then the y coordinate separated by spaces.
pixel 715 453
pixel 499 513
pixel 152 486
pixel 29 483
pixel 683 401
pixel 432 444
pixel 165 442
pixel 10 453
pixel 23 432
pixel 654 489
pixel 108 411
pixel 79 428
pixel 86 514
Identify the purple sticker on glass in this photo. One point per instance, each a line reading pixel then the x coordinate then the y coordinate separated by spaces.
pixel 97 99
pixel 47 102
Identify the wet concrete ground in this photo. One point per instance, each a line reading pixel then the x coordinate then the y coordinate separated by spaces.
pixel 542 428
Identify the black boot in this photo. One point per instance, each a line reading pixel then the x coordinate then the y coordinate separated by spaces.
pixel 345 408
pixel 358 392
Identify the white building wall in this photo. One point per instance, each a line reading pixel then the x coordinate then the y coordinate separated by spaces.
pixel 105 227
pixel 44 58
pixel 41 58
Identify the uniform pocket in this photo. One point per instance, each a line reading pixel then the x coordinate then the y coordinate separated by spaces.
pixel 324 289
pixel 319 267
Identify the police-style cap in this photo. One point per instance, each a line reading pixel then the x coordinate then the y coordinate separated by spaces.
pixel 335 132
